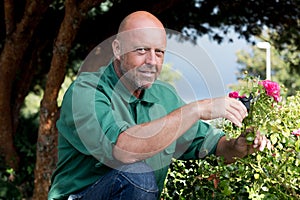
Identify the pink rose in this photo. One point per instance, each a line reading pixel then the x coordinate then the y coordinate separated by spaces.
pixel 296 132
pixel 235 95
pixel 272 89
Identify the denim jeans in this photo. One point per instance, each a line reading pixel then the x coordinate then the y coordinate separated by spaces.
pixel 133 182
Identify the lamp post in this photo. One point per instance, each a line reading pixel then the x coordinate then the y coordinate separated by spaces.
pixel 267 46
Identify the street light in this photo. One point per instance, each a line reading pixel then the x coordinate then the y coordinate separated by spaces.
pixel 267 46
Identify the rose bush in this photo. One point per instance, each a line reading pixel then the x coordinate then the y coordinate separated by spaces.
pixel 262 99
pixel 271 174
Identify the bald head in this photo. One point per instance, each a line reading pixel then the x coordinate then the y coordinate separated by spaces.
pixel 138 29
pixel 140 19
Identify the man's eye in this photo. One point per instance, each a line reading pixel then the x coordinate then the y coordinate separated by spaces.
pixel 160 52
pixel 141 50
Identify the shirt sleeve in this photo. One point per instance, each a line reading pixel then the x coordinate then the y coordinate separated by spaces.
pixel 96 125
pixel 199 141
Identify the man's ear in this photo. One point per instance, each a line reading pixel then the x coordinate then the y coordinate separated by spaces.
pixel 116 49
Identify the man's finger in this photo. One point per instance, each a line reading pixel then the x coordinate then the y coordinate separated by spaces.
pixel 263 144
pixel 269 145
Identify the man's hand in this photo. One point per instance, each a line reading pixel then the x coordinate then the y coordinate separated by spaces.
pixel 260 143
pixel 239 147
pixel 226 107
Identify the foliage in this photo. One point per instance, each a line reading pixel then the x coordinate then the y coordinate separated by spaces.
pixel 169 75
pixel 282 65
pixel 19 184
pixel 262 100
pixel 271 174
pixel 8 190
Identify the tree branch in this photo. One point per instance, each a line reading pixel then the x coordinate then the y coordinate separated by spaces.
pixel 9 16
pixel 86 5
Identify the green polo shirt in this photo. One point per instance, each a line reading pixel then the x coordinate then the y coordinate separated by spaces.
pixel 95 110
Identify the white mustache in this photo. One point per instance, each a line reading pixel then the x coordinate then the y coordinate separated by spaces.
pixel 147 69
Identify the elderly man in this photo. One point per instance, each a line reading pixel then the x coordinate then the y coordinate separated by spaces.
pixel 120 127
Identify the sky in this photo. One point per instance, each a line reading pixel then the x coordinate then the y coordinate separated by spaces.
pixel 207 68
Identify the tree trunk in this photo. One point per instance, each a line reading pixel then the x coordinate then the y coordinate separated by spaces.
pixel 49 112
pixel 7 148
pixel 18 38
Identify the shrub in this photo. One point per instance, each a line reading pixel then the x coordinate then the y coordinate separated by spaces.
pixel 271 174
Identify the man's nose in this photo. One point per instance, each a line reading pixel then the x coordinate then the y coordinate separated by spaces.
pixel 151 58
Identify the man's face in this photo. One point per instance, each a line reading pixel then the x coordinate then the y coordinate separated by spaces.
pixel 141 57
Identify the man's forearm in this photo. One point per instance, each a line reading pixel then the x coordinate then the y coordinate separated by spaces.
pixel 145 140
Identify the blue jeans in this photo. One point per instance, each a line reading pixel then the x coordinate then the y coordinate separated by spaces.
pixel 133 182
